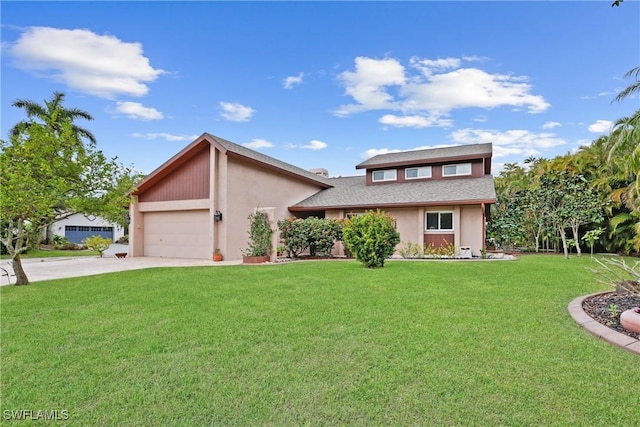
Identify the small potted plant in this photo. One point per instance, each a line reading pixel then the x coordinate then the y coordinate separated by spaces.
pixel 217 255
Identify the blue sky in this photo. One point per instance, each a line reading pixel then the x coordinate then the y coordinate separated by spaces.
pixel 326 84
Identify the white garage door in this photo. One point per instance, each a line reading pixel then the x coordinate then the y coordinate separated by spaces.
pixel 177 234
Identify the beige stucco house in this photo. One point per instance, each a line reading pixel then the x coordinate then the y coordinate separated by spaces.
pixel 199 200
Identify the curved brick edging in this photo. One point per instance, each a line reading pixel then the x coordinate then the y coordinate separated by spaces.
pixel 598 329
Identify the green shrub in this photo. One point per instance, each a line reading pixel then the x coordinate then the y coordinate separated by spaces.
pixel 433 251
pixel 316 234
pixel 371 237
pixel 410 250
pixel 98 243
pixel 259 234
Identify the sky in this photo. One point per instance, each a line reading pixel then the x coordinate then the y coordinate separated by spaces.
pixel 325 84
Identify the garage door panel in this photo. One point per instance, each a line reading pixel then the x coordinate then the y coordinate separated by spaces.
pixel 177 234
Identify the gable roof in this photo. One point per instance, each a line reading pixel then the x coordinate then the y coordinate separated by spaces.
pixel 233 150
pixel 353 193
pixel 431 155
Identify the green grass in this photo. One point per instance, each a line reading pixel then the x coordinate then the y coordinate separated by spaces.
pixel 317 343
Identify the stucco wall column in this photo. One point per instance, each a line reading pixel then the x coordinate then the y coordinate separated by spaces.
pixel 136 229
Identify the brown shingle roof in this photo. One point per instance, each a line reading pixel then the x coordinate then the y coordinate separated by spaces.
pixel 352 192
pixel 428 155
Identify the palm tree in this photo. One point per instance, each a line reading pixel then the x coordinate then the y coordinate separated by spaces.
pixel 53 114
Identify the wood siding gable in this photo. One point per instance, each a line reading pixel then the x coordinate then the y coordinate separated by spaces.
pixel 189 181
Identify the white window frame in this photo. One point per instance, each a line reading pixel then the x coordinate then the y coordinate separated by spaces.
pixel 394 172
pixel 439 229
pixel 444 167
pixel 421 168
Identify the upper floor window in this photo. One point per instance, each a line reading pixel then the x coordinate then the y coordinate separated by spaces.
pixel 435 221
pixel 415 173
pixel 457 169
pixel 384 175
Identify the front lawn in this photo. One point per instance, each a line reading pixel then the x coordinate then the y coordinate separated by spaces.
pixel 317 343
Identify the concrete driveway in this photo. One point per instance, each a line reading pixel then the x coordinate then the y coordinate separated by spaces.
pixel 38 269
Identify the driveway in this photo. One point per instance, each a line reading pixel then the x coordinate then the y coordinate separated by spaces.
pixel 38 269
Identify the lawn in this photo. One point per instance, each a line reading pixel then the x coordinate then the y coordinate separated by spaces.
pixel 41 253
pixel 317 343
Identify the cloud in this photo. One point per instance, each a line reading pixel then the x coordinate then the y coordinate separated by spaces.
pixel 600 126
pixel 432 88
pixel 137 111
pixel 165 136
pixel 315 145
pixel 100 65
pixel 510 142
pixel 236 112
pixel 414 121
pixel 371 152
pixel 258 143
pixel 291 81
pixel 551 125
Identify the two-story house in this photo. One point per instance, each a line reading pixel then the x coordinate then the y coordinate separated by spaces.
pixel 199 200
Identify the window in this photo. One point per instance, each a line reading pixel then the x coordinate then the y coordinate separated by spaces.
pixel 384 175
pixel 435 221
pixel 415 173
pixel 459 169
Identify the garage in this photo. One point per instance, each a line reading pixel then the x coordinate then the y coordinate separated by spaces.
pixel 77 233
pixel 177 234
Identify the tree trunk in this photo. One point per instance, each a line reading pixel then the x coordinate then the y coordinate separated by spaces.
pixel 21 276
pixel 563 236
pixel 576 237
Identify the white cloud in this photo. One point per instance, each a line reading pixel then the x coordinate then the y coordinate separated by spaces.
pixel 439 87
pixel 165 136
pixel 600 126
pixel 137 111
pixel 414 121
pixel 291 81
pixel 376 151
pixel 551 125
pixel 315 145
pixel 258 143
pixel 511 142
pixel 236 112
pixel 100 65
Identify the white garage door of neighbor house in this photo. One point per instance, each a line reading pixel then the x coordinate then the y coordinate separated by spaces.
pixel 177 234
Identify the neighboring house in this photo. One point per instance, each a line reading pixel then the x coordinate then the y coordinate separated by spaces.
pixel 78 227
pixel 200 199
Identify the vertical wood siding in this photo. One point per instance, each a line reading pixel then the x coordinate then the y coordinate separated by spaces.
pixel 190 181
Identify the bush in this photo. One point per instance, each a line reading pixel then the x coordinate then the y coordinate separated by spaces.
pixel 371 237
pixel 410 250
pixel 98 243
pixel 259 234
pixel 617 273
pixel 316 234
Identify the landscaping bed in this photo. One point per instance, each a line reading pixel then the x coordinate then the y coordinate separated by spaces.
pixel 605 308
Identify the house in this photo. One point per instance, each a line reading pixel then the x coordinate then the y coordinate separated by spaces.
pixel 199 200
pixel 77 227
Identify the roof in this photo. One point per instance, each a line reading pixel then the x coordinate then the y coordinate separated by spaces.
pixel 232 149
pixel 353 193
pixel 429 155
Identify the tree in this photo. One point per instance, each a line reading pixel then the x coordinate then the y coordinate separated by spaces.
pixel 371 237
pixel 47 171
pixel 98 243
pixel 52 114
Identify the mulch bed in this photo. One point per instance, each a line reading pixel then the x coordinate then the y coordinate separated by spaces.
pixel 599 307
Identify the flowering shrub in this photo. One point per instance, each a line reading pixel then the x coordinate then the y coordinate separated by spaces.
pixel 371 237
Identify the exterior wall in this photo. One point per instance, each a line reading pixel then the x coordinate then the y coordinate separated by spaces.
pixel 468 227
pixel 477 171
pixel 245 188
pixel 471 226
pixel 58 227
